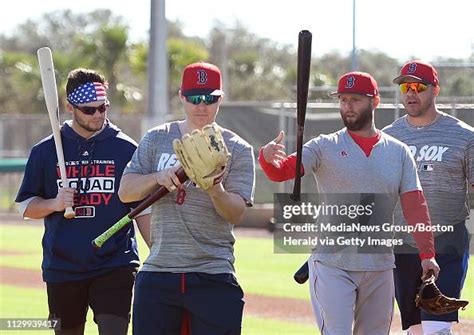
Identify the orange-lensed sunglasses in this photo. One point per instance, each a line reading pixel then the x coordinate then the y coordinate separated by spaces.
pixel 416 87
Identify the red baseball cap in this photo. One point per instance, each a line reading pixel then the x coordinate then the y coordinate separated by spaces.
pixel 357 83
pixel 418 70
pixel 201 79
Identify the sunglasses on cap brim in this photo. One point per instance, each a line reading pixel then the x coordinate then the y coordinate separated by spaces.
pixel 207 99
pixel 88 110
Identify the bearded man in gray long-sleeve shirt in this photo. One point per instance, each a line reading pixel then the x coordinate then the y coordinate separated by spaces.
pixel 352 288
pixel 443 149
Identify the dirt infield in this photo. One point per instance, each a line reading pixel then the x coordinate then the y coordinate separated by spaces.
pixel 21 277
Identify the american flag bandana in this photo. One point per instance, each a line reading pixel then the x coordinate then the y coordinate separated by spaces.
pixel 88 92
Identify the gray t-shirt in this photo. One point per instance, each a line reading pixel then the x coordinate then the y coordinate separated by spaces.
pixel 192 236
pixel 340 166
pixel 444 154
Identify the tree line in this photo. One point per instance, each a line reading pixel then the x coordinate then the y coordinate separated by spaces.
pixel 256 68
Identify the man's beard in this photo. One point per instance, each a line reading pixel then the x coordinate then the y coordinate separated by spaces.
pixel 360 122
pixel 83 124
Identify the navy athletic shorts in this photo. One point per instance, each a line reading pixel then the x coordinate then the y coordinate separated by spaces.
pixel 109 293
pixel 213 303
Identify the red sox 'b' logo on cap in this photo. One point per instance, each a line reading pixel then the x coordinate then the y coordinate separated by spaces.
pixel 202 77
pixel 350 82
pixel 411 68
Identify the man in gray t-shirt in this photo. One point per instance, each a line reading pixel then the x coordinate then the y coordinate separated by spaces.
pixel 188 281
pixel 352 292
pixel 443 149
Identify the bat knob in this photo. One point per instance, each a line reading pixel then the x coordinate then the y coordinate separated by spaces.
pixel 70 215
pixel 97 247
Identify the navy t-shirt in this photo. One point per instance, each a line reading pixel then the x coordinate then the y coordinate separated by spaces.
pixel 94 167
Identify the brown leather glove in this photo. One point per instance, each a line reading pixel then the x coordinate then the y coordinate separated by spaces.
pixel 432 301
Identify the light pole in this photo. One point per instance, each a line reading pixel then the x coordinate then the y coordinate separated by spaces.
pixel 354 65
pixel 158 103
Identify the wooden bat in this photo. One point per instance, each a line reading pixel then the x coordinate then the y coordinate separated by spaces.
pixel 50 91
pixel 302 84
pixel 302 275
pixel 158 194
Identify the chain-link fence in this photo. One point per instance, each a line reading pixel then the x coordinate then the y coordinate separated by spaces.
pixel 258 123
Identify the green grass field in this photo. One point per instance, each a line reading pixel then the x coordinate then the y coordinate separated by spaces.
pixel 259 270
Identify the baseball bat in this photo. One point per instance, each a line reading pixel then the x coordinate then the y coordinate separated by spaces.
pixel 302 84
pixel 50 91
pixel 302 275
pixel 155 196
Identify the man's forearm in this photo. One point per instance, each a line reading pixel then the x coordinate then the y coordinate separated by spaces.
pixel 135 187
pixel 230 206
pixel 415 211
pixel 39 208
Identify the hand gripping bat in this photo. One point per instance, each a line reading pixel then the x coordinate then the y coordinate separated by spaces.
pixel 155 196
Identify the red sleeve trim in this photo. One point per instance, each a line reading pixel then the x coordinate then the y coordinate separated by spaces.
pixel 415 210
pixel 286 170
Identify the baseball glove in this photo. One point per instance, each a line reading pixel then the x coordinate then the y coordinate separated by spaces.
pixel 432 301
pixel 203 155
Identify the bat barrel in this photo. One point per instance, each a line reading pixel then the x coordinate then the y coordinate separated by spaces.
pixel 303 71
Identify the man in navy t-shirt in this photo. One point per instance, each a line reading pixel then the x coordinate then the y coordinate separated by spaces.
pixel 95 153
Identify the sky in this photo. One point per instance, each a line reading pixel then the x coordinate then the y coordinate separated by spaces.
pixel 402 29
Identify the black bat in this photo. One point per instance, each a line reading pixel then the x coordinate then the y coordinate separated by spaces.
pixel 302 85
pixel 302 275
